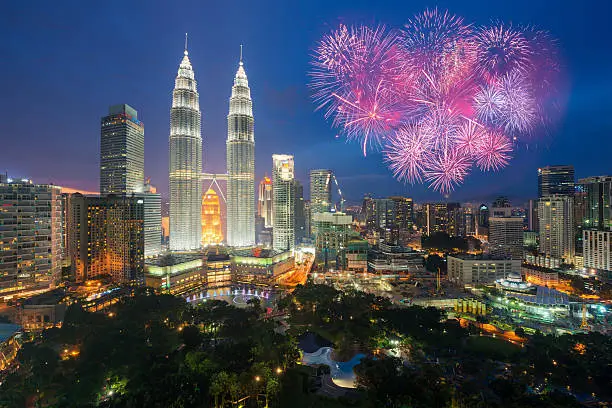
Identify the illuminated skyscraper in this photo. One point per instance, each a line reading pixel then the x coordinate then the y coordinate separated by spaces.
pixel 283 197
pixel 106 236
pixel 240 164
pixel 211 219
pixel 31 229
pixel 320 190
pixel 264 201
pixel 557 239
pixel 558 179
pixel 121 151
pixel 185 161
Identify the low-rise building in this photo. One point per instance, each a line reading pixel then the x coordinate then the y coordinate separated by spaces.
pixel 218 269
pixel 43 311
pixel 540 276
pixel 175 273
pixel 395 260
pixel 260 265
pixel 480 270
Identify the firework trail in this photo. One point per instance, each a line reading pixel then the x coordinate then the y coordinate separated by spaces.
pixel 439 95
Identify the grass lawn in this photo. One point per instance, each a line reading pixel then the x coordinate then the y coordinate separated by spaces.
pixel 490 347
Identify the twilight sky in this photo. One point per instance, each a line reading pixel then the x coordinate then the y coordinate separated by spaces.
pixel 63 63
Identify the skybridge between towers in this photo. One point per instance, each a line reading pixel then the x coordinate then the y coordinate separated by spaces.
pixel 214 178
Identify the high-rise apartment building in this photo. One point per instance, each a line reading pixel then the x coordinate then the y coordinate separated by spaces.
pixel 557 238
pixel 506 237
pixel 264 201
pixel 106 237
pixel 557 179
pixel 240 164
pixel 212 233
pixel 121 151
pixel 597 193
pixel 597 249
pixel 283 196
pixel 185 161
pixel 31 229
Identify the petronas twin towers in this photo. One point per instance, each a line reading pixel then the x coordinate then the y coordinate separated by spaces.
pixel 186 162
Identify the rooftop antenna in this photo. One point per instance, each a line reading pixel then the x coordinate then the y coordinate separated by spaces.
pixel 240 54
pixel 186 53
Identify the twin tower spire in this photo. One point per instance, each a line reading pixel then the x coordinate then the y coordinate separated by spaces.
pixel 185 169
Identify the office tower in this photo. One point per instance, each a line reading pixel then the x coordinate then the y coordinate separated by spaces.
pixel 483 216
pixel 121 151
pixel 298 210
pixel 333 230
pixel 240 164
pixel 264 201
pixel 320 190
pixel 30 235
pixel 106 237
pixel 506 237
pixel 532 214
pixel 598 197
pixel 557 238
pixel 185 161
pixel 401 228
pixel 307 218
pixel 152 220
pixel 283 233
pixel 597 249
pixel 558 179
pixel 403 212
pixel 468 221
pixel 501 202
pixel 211 219
pixel 440 217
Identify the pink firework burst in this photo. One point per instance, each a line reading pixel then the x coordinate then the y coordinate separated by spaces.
pixel 357 77
pixel 494 151
pixel 432 35
pixel 519 111
pixel 447 170
pixel 437 96
pixel 442 122
pixel 370 117
pixel 407 153
pixel 502 49
pixel 489 103
pixel 469 137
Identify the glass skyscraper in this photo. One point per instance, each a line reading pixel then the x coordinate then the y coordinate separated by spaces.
pixel 240 164
pixel 121 151
pixel 264 201
pixel 320 190
pixel 558 179
pixel 185 161
pixel 283 197
pixel 596 193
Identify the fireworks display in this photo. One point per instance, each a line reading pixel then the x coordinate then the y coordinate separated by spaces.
pixel 439 96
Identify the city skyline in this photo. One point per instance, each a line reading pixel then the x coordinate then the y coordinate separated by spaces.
pixel 281 94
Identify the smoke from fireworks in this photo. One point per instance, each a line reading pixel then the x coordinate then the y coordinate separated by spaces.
pixel 440 96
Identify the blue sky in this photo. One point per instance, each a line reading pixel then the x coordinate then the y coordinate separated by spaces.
pixel 64 63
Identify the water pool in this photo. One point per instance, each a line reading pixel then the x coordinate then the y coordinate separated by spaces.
pixel 342 373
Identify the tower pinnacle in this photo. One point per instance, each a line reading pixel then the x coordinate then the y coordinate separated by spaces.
pixel 186 53
pixel 241 55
